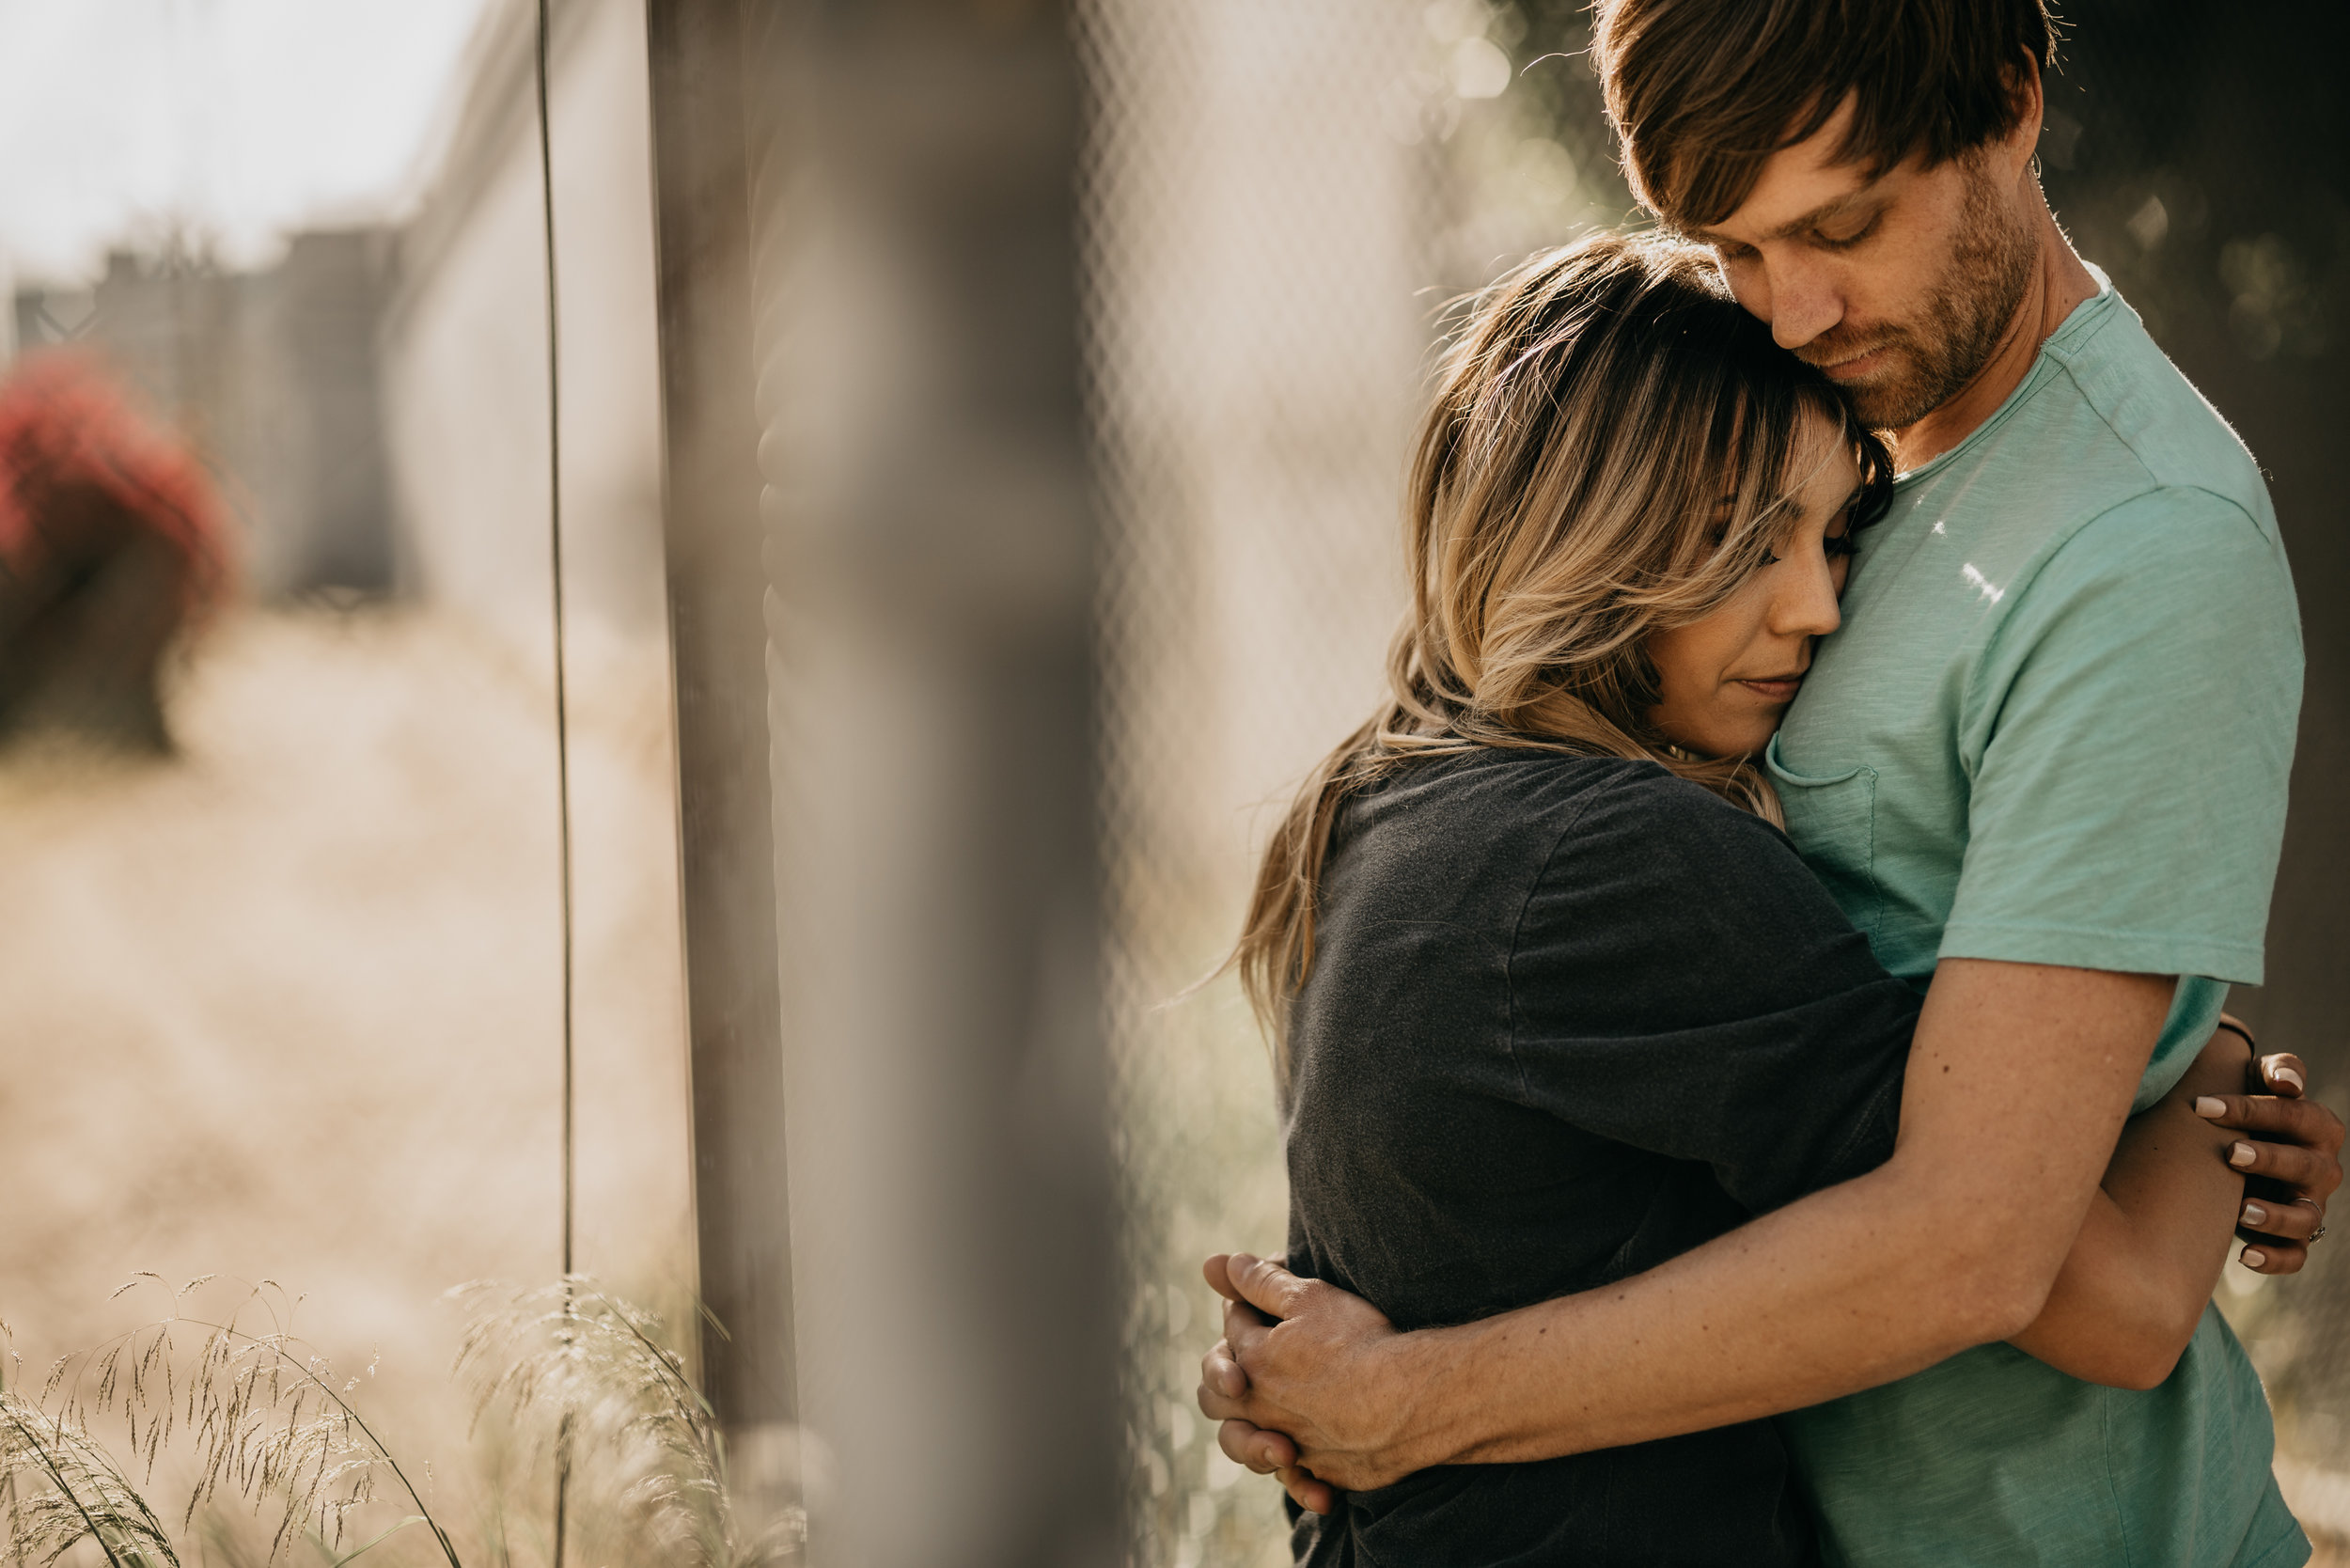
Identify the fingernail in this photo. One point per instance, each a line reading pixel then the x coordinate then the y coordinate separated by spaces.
pixel 2286 1075
pixel 2209 1105
pixel 2255 1214
pixel 2241 1154
pixel 2254 1257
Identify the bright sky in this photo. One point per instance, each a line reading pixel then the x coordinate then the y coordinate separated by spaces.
pixel 238 119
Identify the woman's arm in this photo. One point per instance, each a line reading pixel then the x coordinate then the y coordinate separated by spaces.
pixel 2134 1286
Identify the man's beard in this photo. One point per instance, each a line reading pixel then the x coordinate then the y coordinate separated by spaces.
pixel 1965 315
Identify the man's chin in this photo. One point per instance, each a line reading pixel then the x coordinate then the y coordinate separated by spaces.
pixel 1884 386
pixel 1893 402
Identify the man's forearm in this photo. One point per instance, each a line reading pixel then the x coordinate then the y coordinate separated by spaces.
pixel 2016 1089
pixel 1819 1299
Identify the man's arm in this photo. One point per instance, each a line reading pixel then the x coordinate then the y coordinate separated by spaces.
pixel 2293 1147
pixel 2018 1083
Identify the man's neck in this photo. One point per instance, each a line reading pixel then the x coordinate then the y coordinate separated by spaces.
pixel 2060 282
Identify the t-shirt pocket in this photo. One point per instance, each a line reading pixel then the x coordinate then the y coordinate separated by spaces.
pixel 1833 820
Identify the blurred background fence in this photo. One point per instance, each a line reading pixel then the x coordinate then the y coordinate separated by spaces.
pixel 1080 347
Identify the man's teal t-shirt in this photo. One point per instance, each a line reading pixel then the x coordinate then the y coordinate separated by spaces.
pixel 2056 729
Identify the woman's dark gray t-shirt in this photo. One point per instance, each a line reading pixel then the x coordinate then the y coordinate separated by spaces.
pixel 1567 1018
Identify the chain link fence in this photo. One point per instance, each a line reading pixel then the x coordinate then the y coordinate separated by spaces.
pixel 1277 204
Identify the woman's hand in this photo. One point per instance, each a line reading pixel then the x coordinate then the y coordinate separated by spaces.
pixel 2293 1157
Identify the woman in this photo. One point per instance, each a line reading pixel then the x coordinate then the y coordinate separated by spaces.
pixel 1553 1000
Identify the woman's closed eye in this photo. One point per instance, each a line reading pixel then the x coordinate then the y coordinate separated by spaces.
pixel 1844 542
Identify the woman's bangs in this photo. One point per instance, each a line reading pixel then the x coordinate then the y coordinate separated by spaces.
pixel 1754 467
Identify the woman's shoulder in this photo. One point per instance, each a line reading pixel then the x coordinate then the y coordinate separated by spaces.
pixel 1538 776
pixel 1618 795
pixel 1648 801
pixel 1523 790
pixel 1644 838
pixel 1496 791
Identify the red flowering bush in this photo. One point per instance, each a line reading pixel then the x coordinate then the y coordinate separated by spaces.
pixel 113 541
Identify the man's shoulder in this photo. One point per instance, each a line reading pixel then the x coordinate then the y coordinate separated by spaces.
pixel 2111 468
pixel 2148 424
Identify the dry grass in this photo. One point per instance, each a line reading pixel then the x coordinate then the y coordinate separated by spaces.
pixel 590 1378
pixel 287 1007
pixel 595 1376
pixel 63 1489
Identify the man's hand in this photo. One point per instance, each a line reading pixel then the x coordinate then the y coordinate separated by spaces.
pixel 1305 1382
pixel 2293 1159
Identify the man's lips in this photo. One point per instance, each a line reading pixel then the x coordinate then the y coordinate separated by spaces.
pixel 1842 365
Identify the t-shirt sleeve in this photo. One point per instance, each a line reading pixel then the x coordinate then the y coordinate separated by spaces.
pixel 1680 982
pixel 2128 732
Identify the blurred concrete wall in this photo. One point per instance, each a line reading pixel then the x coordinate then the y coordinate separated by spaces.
pixel 464 340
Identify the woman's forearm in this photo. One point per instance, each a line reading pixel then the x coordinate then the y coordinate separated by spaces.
pixel 2133 1288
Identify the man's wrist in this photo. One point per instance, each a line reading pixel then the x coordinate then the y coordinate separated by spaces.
pixel 1444 1414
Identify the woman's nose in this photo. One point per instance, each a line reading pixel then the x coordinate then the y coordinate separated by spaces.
pixel 1805 606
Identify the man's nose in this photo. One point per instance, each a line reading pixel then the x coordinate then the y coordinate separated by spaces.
pixel 1803 301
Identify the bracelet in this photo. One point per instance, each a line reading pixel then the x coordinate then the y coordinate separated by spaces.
pixel 2243 1033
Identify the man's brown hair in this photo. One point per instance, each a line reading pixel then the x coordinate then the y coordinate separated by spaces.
pixel 1703 91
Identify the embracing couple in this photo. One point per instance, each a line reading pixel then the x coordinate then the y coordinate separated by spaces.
pixel 1748 1006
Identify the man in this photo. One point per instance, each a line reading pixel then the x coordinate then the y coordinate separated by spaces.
pixel 2043 767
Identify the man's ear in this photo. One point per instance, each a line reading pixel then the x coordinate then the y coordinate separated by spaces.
pixel 2028 100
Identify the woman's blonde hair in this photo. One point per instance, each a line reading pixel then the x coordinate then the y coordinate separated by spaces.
pixel 1608 454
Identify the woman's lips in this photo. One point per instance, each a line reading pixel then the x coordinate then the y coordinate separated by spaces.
pixel 1774 688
